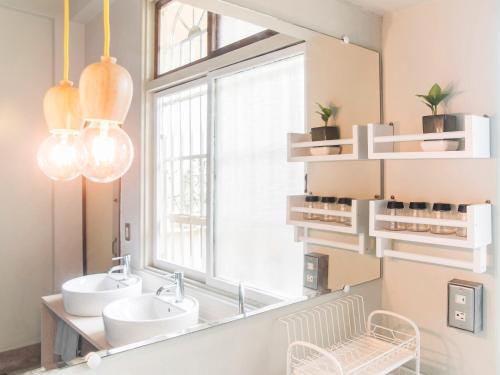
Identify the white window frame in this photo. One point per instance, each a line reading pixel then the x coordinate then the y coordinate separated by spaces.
pixel 157 262
pixel 155 88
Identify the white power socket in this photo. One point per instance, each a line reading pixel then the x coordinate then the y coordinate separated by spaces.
pixel 460 316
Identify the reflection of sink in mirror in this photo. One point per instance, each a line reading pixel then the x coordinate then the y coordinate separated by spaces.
pixel 138 318
pixel 88 295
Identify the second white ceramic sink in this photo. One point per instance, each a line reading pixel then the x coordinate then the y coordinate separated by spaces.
pixel 88 295
pixel 138 318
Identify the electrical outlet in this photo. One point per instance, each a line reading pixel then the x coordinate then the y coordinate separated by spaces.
pixel 460 316
pixel 465 310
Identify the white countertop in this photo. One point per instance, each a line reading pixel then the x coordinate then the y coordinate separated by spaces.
pixel 91 328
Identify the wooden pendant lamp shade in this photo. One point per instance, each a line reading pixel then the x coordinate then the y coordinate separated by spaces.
pixel 61 106
pixel 105 87
pixel 105 91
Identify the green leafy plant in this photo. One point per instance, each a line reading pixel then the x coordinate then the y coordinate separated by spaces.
pixel 327 112
pixel 435 96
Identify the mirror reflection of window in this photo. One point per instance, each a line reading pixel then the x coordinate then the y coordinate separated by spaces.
pixel 254 108
pixel 181 178
pixel 251 177
pixel 183 35
pixel 231 30
pixel 186 34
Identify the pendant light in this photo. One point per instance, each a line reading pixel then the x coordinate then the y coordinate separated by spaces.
pixel 62 155
pixel 105 97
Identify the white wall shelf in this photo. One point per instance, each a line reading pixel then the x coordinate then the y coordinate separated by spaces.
pixel 478 226
pixel 358 227
pixel 473 135
pixel 300 144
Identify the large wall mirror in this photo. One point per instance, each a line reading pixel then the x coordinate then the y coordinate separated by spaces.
pixel 206 219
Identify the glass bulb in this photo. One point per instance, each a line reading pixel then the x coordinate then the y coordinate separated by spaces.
pixel 62 156
pixel 110 151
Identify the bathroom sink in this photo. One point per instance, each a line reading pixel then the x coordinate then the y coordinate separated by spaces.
pixel 138 318
pixel 88 295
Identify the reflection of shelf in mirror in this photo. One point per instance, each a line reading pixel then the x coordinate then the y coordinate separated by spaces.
pixel 478 225
pixel 359 247
pixel 358 217
pixel 299 146
pixel 473 136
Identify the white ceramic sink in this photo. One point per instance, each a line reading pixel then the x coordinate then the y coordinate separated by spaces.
pixel 138 318
pixel 88 295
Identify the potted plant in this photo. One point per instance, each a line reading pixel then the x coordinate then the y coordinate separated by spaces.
pixel 324 133
pixel 437 123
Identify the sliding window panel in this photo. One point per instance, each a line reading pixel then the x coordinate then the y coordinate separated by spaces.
pixel 254 110
pixel 180 182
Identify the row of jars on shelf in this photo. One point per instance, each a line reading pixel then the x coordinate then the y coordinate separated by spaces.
pixel 421 210
pixel 328 203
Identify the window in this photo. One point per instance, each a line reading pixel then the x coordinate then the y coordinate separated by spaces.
pixel 186 35
pixel 254 110
pixel 181 178
pixel 231 30
pixel 221 190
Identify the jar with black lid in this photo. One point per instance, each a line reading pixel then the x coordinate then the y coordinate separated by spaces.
pixel 328 203
pixel 419 210
pixel 344 204
pixel 394 208
pixel 312 201
pixel 442 211
pixel 462 215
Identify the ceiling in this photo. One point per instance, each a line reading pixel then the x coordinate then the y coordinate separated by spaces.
pixel 384 6
pixel 80 10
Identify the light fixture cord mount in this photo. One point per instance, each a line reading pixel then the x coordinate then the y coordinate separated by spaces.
pixel 106 28
pixel 66 40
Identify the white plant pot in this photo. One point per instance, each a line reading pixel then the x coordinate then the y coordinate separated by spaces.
pixel 441 145
pixel 325 150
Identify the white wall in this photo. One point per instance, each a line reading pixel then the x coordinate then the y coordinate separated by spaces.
pixel 26 238
pixel 445 41
pixel 40 231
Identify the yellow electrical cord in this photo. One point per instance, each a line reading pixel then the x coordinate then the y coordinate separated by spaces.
pixel 66 40
pixel 106 28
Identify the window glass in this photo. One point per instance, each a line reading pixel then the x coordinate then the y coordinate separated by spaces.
pixel 254 110
pixel 183 35
pixel 231 30
pixel 181 186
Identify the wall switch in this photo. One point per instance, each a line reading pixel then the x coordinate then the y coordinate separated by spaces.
pixel 465 305
pixel 127 232
pixel 316 271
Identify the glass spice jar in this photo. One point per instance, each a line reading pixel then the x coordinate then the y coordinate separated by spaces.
pixel 394 208
pixel 419 210
pixel 462 215
pixel 312 201
pixel 442 211
pixel 344 204
pixel 328 203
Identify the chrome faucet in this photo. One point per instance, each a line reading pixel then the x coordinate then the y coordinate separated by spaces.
pixel 177 280
pixel 241 298
pixel 122 269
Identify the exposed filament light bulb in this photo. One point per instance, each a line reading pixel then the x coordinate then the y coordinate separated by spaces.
pixel 62 155
pixel 110 151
